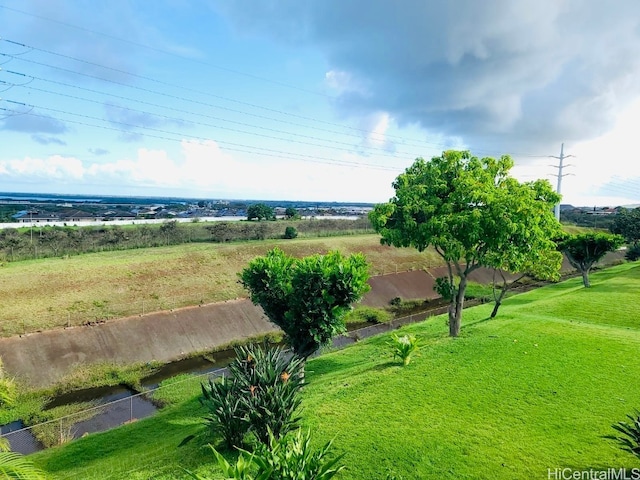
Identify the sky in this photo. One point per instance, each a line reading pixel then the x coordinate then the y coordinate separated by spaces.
pixel 315 101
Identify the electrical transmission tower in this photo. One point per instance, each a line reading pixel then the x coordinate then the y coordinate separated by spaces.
pixel 560 175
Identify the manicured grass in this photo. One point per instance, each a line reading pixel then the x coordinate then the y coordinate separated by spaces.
pixel 48 293
pixel 510 398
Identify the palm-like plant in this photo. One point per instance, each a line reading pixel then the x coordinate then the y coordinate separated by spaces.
pixel 259 396
pixel 283 459
pixel 630 439
pixel 16 466
pixel 404 347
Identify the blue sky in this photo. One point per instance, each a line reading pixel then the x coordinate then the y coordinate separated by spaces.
pixel 302 100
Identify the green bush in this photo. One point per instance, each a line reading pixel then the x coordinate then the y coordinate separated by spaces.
pixel 395 302
pixel 269 381
pixel 227 412
pixel 367 314
pixel 281 459
pixel 261 395
pixel 633 253
pixel 444 288
pixel 8 391
pixel 630 438
pixel 290 232
pixel 404 347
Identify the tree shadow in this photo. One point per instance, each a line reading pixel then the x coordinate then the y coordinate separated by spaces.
pixel 386 365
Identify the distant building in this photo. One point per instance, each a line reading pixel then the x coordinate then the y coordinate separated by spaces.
pixel 35 216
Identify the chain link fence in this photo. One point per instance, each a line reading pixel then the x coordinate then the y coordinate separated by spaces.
pixel 135 406
pixel 102 417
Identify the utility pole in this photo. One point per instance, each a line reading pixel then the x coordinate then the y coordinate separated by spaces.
pixel 560 175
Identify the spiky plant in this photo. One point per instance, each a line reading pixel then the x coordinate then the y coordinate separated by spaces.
pixel 404 347
pixel 630 438
pixel 287 458
pixel 16 466
pixel 227 413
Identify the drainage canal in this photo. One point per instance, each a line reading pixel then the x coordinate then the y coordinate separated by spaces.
pixel 113 406
pixel 119 404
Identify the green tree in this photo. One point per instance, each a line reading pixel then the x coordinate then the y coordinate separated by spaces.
pixel 468 209
pixel 308 297
pixel 627 224
pixel 584 250
pixel 528 250
pixel 170 230
pixel 260 211
pixel 291 213
pixel 290 232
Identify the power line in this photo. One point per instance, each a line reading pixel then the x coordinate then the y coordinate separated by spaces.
pixel 184 99
pixel 351 146
pixel 173 54
pixel 383 137
pixel 234 146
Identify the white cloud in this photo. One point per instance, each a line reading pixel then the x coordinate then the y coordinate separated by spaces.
pixel 204 169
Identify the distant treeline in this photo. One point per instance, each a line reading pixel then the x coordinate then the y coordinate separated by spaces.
pixel 52 241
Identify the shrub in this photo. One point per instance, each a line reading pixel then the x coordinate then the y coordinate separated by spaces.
pixel 260 396
pixel 282 459
pixel 367 314
pixel 630 438
pixel 403 347
pixel 290 232
pixel 395 302
pixel 227 411
pixel 270 381
pixel 633 253
pixel 444 288
pixel 7 389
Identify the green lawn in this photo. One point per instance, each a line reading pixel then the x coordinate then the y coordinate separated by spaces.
pixel 536 388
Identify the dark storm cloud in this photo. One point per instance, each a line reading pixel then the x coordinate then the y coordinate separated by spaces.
pixel 525 75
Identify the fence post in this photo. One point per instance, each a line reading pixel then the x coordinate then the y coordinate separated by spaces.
pixel 131 408
pixel 61 435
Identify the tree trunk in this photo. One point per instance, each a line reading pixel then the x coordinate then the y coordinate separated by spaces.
pixel 585 277
pixel 496 306
pixel 455 309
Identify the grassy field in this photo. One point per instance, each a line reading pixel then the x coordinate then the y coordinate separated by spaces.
pixel 47 293
pixel 536 388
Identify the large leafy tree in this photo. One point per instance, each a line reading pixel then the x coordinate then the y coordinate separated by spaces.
pixel 527 249
pixel 308 297
pixel 584 250
pixel 260 211
pixel 627 224
pixel 472 213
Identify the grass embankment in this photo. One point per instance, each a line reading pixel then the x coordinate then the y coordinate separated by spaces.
pixel 48 293
pixel 536 388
